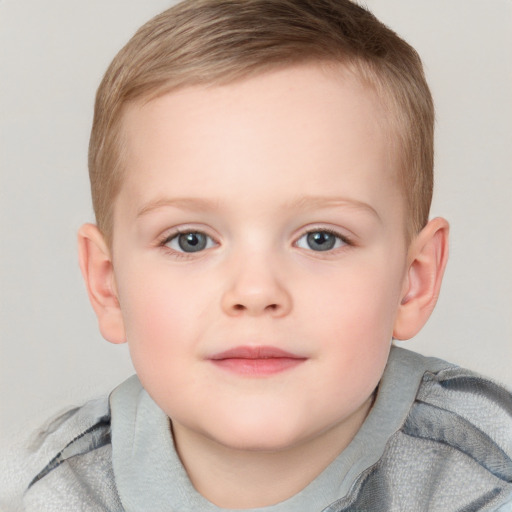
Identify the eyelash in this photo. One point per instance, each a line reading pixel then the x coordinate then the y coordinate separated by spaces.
pixel 347 241
pixel 181 254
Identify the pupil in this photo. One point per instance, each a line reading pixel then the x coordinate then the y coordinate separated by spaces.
pixel 192 242
pixel 321 241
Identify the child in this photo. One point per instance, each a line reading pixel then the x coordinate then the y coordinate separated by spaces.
pixel 261 174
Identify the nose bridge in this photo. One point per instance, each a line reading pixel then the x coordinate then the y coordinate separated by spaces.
pixel 256 285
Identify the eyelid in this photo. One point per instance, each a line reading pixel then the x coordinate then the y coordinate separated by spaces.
pixel 171 233
pixel 181 229
pixel 342 233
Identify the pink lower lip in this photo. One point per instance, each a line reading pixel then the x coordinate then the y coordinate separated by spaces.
pixel 256 361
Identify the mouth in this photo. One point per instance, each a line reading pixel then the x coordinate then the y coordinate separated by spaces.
pixel 256 361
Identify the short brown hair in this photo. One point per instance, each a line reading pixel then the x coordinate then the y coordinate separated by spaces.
pixel 220 41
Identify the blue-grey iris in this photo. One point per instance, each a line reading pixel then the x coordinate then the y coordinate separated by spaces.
pixel 321 240
pixel 192 242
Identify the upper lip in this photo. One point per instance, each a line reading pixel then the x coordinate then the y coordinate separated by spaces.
pixel 255 352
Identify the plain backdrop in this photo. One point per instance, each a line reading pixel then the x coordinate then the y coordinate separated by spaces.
pixel 52 57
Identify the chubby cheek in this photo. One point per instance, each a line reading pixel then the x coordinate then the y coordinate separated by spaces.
pixel 160 317
pixel 354 326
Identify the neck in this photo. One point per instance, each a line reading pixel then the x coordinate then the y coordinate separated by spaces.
pixel 234 478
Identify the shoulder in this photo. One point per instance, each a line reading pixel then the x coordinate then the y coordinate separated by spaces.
pixel 452 449
pixel 450 395
pixel 463 412
pixel 466 411
pixel 460 426
pixel 71 464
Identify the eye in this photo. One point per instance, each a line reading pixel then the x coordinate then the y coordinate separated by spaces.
pixel 321 240
pixel 191 241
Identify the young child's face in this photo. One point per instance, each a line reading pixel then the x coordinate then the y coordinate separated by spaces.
pixel 259 255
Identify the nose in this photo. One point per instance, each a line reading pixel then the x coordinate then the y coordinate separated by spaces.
pixel 256 289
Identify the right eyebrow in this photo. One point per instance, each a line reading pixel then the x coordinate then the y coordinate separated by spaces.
pixel 186 203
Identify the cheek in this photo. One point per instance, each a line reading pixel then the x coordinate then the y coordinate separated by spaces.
pixel 160 317
pixel 161 337
pixel 353 319
pixel 360 298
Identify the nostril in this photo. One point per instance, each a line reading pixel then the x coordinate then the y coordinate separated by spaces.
pixel 269 307
pixel 256 301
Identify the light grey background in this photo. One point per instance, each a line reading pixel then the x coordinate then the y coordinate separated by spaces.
pixel 52 57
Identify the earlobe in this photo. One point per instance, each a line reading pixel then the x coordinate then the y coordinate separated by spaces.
pixel 98 273
pixel 427 258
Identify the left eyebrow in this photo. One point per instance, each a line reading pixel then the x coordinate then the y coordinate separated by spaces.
pixel 314 202
pixel 185 203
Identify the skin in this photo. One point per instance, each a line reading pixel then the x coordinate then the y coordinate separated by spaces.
pixel 255 166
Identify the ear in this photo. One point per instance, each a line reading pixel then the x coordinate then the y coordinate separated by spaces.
pixel 426 261
pixel 98 273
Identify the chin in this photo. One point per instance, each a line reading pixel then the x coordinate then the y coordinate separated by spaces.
pixel 262 437
pixel 261 444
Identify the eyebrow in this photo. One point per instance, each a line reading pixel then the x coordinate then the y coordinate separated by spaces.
pixel 190 203
pixel 315 202
pixel 301 204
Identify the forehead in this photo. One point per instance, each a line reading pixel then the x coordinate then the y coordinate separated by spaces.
pixel 283 126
